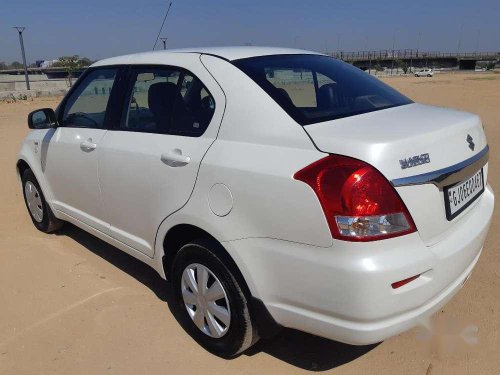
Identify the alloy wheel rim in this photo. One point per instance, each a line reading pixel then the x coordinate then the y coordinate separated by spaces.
pixel 34 201
pixel 205 300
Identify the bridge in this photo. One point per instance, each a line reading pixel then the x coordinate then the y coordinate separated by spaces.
pixel 415 58
pixel 362 59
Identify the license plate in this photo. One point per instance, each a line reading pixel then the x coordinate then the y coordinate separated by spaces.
pixel 458 197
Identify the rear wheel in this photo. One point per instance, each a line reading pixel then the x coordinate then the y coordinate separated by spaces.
pixel 210 302
pixel 42 216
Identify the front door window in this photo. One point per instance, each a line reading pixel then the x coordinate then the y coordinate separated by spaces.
pixel 86 106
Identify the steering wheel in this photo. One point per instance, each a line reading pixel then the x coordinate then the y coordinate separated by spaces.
pixel 85 116
pixel 134 101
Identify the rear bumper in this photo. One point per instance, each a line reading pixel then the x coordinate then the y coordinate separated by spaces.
pixel 344 292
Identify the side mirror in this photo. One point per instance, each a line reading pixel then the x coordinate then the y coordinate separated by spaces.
pixel 44 118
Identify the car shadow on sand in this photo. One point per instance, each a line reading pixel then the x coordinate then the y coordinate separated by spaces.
pixel 296 348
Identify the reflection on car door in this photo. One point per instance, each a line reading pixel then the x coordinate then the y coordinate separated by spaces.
pixel 73 150
pixel 149 165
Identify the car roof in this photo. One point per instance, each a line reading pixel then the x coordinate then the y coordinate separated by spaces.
pixel 227 53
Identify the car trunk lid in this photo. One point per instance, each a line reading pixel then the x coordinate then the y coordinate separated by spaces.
pixel 408 141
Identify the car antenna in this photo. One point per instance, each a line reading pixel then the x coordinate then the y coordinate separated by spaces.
pixel 161 28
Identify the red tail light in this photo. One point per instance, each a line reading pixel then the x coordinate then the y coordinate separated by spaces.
pixel 358 201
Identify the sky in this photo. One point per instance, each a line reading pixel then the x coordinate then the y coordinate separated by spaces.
pixel 102 28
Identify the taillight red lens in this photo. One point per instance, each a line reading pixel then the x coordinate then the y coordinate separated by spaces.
pixel 399 284
pixel 358 201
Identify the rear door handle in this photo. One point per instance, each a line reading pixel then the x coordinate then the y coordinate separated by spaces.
pixel 88 145
pixel 174 158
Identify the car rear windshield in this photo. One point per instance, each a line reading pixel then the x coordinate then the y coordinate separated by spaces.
pixel 315 88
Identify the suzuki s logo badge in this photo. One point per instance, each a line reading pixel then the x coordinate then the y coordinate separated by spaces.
pixel 471 144
pixel 413 161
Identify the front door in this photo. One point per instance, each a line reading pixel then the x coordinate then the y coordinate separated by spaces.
pixel 149 165
pixel 72 153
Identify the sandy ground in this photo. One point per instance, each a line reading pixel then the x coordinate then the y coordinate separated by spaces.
pixel 71 304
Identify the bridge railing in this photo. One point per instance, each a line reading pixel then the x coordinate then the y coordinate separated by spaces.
pixel 410 53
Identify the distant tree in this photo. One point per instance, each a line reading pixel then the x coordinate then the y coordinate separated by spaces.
pixel 86 61
pixel 3 65
pixel 491 65
pixel 378 66
pixel 70 64
pixel 16 65
pixel 486 65
pixel 400 64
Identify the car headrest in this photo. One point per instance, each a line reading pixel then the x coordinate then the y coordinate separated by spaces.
pixel 329 96
pixel 284 94
pixel 161 99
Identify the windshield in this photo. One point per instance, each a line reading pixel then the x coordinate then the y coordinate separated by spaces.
pixel 314 88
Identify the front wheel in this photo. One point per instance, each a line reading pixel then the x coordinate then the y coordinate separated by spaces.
pixel 42 216
pixel 210 302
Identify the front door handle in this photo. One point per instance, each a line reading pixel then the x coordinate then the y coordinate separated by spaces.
pixel 174 158
pixel 88 145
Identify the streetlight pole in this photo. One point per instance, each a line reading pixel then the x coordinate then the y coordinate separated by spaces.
pixel 20 30
pixel 393 47
pixel 164 41
pixel 411 60
pixel 418 45
pixel 459 44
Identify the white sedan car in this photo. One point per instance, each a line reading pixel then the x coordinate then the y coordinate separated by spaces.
pixel 424 73
pixel 273 187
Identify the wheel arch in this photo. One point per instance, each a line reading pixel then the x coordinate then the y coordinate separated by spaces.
pixel 21 166
pixel 25 161
pixel 181 234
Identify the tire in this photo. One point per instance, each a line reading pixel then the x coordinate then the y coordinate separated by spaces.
pixel 429 75
pixel 416 75
pixel 42 216
pixel 228 334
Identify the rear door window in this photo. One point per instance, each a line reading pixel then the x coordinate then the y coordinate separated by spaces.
pixel 167 101
pixel 151 100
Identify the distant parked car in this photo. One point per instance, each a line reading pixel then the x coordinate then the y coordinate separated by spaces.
pixel 424 73
pixel 272 187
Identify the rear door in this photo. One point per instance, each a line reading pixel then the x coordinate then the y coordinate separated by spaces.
pixel 149 164
pixel 70 160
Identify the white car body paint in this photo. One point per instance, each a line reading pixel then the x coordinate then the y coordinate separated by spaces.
pixel 424 73
pixel 274 227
